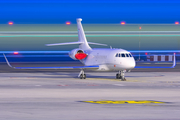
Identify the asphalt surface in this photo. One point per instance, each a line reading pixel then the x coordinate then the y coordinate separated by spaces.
pixel 61 95
pixel 6 69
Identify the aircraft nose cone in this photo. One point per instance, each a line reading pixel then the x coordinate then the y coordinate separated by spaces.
pixel 131 64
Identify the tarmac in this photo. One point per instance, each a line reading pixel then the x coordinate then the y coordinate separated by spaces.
pixel 45 95
pixel 6 69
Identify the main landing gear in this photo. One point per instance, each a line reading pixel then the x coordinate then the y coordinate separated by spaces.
pixel 82 75
pixel 120 75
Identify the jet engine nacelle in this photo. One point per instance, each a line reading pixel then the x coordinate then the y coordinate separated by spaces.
pixel 77 54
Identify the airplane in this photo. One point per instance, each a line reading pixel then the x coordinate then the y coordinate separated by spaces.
pixel 98 59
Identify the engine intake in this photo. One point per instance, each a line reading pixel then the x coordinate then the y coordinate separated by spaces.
pixel 77 54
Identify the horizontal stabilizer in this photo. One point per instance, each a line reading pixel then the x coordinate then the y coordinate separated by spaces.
pixel 72 67
pixel 174 64
pixel 97 43
pixel 69 43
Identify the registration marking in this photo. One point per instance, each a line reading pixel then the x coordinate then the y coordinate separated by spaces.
pixel 125 102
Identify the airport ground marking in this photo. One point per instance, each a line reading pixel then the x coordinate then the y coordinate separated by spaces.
pixel 125 102
pixel 62 85
pixel 103 79
pixel 117 80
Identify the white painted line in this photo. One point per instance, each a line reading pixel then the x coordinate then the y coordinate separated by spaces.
pixel 119 84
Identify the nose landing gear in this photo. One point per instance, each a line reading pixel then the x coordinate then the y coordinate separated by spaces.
pixel 120 75
pixel 82 75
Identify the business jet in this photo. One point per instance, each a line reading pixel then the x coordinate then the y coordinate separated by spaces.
pixel 98 59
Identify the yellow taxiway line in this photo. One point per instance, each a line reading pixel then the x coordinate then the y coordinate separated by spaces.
pixel 125 102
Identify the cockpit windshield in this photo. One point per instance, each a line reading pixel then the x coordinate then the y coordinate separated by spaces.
pixel 119 55
pixel 123 55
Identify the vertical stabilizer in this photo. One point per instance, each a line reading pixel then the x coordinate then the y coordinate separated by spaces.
pixel 81 35
pixel 83 44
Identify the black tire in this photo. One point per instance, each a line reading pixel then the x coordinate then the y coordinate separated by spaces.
pixel 84 76
pixel 81 76
pixel 117 76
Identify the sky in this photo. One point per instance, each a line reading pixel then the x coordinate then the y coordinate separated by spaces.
pixel 92 12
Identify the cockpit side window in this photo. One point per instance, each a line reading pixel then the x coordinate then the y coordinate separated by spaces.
pixel 123 55
pixel 130 55
pixel 117 55
pixel 127 55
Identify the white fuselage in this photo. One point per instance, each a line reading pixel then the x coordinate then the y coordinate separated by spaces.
pixel 109 59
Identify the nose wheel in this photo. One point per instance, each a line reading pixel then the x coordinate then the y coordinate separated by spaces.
pixel 120 75
pixel 82 75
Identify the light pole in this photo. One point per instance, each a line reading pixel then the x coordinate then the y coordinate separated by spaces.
pixel 139 42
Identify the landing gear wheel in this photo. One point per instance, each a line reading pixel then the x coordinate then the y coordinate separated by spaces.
pixel 84 76
pixel 118 76
pixel 81 76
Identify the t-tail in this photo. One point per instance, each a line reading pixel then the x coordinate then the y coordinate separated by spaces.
pixel 83 44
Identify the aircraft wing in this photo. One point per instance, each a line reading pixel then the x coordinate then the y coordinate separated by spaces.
pixel 73 67
pixel 174 64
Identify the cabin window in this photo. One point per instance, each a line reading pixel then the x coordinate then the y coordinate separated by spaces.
pixel 127 55
pixel 122 55
pixel 117 55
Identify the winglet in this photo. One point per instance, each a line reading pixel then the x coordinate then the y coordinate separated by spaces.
pixel 174 61
pixel 8 61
